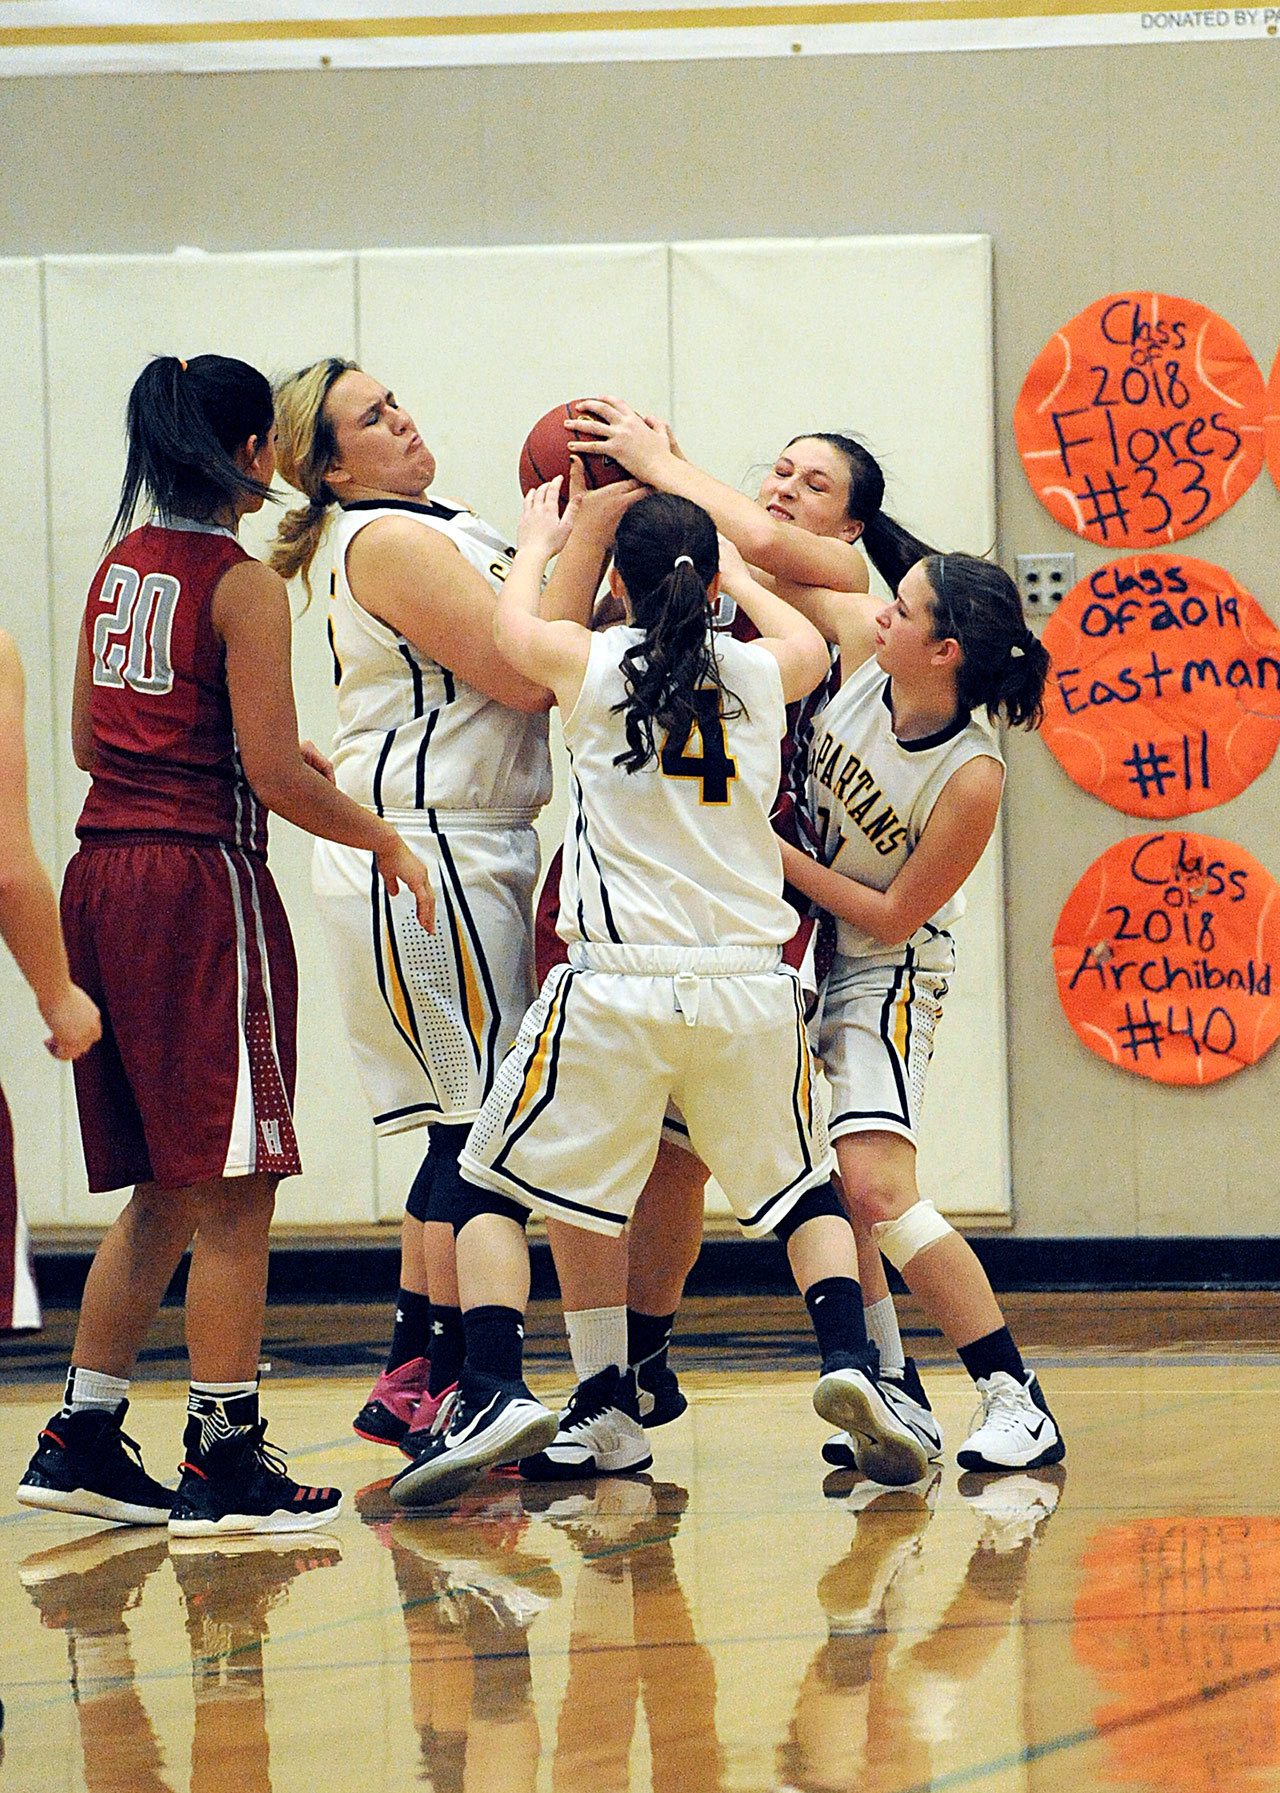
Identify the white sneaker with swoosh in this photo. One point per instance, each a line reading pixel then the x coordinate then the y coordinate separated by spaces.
pixel 1017 1430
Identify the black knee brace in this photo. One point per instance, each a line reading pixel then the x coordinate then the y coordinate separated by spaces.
pixel 434 1189
pixel 471 1201
pixel 812 1205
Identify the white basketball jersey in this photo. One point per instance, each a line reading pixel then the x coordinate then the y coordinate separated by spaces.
pixel 681 852
pixel 411 735
pixel 871 794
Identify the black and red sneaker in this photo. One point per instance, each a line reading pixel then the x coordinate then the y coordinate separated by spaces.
pixel 239 1485
pixel 84 1463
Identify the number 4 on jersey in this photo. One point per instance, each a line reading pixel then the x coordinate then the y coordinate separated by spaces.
pixel 713 765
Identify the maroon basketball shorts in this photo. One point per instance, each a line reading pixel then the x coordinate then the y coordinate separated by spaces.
pixel 185 947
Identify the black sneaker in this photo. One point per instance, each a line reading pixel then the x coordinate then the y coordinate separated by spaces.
pixel 85 1464
pixel 239 1485
pixel 887 1448
pixel 904 1392
pixel 493 1422
pixel 600 1433
pixel 660 1395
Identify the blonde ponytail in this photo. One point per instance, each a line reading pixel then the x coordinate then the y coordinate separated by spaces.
pixel 305 447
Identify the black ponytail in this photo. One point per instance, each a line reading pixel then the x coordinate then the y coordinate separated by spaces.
pixel 667 554
pixel 1004 666
pixel 185 421
pixel 891 549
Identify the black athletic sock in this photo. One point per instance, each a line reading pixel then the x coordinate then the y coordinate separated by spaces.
pixel 448 1348
pixel 835 1307
pixel 495 1342
pixel 996 1351
pixel 411 1334
pixel 648 1336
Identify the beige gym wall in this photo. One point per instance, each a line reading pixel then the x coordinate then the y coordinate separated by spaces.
pixel 1090 169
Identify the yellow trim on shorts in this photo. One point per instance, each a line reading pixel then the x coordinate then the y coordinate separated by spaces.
pixel 538 1063
pixel 902 1017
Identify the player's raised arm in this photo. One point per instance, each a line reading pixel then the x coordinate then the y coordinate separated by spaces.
pixel 552 652
pixel 791 638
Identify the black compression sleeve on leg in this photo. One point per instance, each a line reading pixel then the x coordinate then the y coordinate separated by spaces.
pixel 418 1201
pixel 446 1179
pixel 473 1201
pixel 812 1205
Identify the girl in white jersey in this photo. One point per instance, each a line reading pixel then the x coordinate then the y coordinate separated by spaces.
pixel 672 905
pixel 437 733
pixel 904 785
pixel 818 509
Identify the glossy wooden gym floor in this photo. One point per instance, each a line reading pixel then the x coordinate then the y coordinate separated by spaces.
pixel 729 1621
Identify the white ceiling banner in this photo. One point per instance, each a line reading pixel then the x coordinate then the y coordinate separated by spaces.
pixel 44 37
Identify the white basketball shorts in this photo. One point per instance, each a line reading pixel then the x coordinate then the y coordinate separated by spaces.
pixel 571 1125
pixel 876 1035
pixel 431 1016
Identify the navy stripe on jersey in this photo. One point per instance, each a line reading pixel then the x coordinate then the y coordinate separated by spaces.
pixel 477 948
pixel 387 744
pixel 396 1114
pixel 583 839
pixel 420 775
pixel 553 1066
pixel 415 672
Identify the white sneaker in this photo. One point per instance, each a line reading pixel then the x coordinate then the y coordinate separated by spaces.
pixel 1016 1431
pixel 493 1422
pixel 902 1391
pixel 600 1433
pixel 885 1446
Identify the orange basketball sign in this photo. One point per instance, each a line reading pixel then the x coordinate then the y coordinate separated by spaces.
pixel 1165 956
pixel 1273 421
pixel 1164 693
pixel 1141 420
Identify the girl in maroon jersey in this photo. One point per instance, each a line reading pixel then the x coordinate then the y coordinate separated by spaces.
pixel 184 717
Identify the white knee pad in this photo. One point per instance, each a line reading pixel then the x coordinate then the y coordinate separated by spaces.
pixel 904 1238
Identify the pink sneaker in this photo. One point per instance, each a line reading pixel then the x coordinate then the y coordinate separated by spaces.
pixel 431 1418
pixel 393 1403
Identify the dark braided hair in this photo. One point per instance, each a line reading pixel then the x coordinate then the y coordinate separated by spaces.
pixel 891 549
pixel 669 602
pixel 185 421
pixel 1004 666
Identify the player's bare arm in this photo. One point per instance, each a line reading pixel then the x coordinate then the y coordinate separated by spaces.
pixel 28 908
pixel 251 614
pixel 417 582
pixel 954 837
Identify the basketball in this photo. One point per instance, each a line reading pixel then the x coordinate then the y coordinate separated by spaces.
pixel 546 454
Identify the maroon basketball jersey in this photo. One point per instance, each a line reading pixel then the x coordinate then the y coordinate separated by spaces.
pixel 164 746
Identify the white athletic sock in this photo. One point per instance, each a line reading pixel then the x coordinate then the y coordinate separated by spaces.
pixel 597 1339
pixel 222 1409
pixel 93 1388
pixel 882 1330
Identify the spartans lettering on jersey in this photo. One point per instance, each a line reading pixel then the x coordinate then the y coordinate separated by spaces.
pixel 499 569
pixel 841 772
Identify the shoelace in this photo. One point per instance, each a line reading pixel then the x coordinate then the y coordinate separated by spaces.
pixel 1004 1404
pixel 590 1400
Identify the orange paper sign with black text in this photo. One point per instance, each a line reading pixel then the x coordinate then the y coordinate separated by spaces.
pixel 1165 955
pixel 1141 420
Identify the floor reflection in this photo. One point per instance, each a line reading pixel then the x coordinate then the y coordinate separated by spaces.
pixel 887 1687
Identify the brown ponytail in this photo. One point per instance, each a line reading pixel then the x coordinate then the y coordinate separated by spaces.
pixel 305 447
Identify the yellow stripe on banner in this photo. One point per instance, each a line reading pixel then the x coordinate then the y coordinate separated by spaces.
pixel 399 994
pixel 533 1076
pixel 535 24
